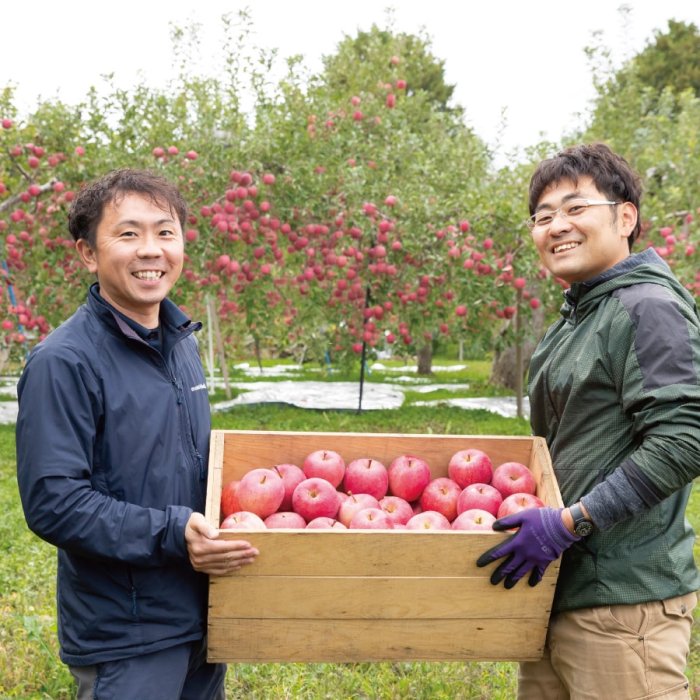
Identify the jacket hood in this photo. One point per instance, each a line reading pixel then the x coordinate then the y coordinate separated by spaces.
pixel 646 266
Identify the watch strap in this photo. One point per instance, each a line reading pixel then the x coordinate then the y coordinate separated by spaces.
pixel 582 525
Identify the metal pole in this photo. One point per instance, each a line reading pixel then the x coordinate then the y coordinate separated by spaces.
pixel 368 299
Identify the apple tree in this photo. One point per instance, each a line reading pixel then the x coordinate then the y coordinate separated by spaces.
pixel 381 177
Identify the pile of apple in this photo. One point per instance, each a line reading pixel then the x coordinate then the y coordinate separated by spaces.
pixel 324 492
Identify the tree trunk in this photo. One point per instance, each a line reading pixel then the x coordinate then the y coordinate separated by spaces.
pixel 504 371
pixel 258 352
pixel 4 357
pixel 425 359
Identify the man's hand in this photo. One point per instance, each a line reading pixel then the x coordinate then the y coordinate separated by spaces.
pixel 541 538
pixel 211 555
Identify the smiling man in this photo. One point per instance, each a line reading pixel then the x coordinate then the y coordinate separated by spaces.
pixel 112 446
pixel 137 256
pixel 614 388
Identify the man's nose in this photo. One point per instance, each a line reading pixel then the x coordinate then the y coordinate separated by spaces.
pixel 149 246
pixel 560 222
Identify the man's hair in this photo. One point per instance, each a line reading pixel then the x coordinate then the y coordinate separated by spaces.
pixel 88 206
pixel 610 172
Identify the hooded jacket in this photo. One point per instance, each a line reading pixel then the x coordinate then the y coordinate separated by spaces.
pixel 112 446
pixel 615 383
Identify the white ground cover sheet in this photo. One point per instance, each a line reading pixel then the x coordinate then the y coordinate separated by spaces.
pixel 318 394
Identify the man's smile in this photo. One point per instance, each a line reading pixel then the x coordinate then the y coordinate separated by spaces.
pixel 148 274
pixel 561 247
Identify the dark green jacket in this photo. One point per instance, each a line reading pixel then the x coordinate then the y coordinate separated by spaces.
pixel 616 382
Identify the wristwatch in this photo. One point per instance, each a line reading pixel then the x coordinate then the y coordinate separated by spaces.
pixel 582 525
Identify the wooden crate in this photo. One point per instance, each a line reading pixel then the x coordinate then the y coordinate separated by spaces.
pixel 371 595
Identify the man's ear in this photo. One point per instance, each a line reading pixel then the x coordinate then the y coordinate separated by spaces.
pixel 629 215
pixel 86 254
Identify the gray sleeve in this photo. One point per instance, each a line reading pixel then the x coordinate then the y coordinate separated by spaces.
pixel 626 492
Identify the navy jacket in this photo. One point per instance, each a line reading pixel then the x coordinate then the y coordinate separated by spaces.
pixel 112 448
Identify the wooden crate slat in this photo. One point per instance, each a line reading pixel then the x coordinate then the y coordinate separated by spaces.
pixel 245 450
pixel 366 552
pixel 303 597
pixel 348 641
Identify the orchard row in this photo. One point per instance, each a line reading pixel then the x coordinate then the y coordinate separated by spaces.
pixel 358 212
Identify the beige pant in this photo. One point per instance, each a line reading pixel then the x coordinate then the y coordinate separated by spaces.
pixel 620 652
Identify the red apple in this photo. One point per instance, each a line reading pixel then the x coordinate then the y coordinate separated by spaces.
pixel 366 475
pixel 484 496
pixel 243 520
pixel 261 491
pixel 517 502
pixel 324 523
pixel 292 476
pixel 354 503
pixel 441 494
pixel 314 498
pixel 470 466
pixel 474 519
pixel 370 519
pixel 398 509
pixel 229 500
pixel 284 520
pixel 513 477
pixel 428 520
pixel 325 464
pixel 408 476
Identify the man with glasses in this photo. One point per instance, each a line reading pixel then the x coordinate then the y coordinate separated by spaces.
pixel 614 388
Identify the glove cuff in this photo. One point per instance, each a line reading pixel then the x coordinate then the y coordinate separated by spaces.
pixel 559 533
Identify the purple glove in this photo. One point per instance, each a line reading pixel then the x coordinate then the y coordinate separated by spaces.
pixel 540 539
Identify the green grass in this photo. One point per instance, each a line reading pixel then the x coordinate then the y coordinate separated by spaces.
pixel 469 379
pixel 408 419
pixel 29 665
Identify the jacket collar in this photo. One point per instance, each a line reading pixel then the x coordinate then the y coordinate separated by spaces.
pixel 578 290
pixel 172 319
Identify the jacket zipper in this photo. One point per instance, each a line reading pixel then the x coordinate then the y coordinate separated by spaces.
pixel 185 423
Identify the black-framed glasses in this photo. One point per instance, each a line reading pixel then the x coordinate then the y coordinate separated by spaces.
pixel 569 210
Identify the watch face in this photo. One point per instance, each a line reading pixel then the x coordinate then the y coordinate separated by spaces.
pixel 583 528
